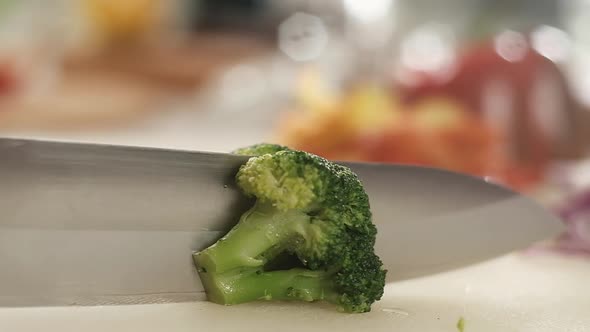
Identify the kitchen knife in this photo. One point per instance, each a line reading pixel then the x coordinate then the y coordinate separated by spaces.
pixel 90 224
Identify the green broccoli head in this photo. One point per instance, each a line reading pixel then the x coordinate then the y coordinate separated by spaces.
pixel 260 149
pixel 286 180
pixel 307 208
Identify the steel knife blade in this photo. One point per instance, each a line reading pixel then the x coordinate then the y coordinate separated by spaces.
pixel 92 224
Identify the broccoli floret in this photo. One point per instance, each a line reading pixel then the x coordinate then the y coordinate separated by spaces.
pixel 312 219
pixel 260 149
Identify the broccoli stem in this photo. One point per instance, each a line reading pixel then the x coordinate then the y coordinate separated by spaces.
pixel 261 234
pixel 247 286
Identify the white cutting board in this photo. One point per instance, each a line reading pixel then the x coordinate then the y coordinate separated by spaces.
pixel 514 293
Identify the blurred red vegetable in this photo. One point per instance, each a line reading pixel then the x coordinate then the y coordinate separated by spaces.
pixel 8 79
pixel 488 77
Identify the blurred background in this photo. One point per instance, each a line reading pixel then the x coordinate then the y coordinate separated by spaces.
pixel 493 88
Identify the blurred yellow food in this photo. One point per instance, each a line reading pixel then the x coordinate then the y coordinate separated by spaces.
pixel 438 112
pixel 326 125
pixel 312 94
pixel 123 19
pixel 370 108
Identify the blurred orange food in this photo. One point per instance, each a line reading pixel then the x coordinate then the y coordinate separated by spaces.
pixel 369 124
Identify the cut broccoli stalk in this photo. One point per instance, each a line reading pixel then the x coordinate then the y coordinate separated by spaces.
pixel 261 233
pixel 254 285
